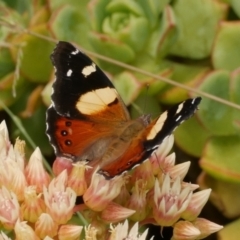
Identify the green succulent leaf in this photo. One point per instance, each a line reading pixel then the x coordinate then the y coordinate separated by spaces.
pixel 236 6
pixel 12 88
pixel 225 195
pixel 163 35
pixel 185 137
pixel 217 117
pixel 186 74
pixel 46 93
pixel 129 7
pixel 221 158
pixel 70 24
pixel 145 104
pixel 97 10
pixel 197 23
pixel 55 4
pixel 19 5
pixel 37 49
pixel 6 62
pixel 110 47
pixel 134 33
pixel 235 86
pixel 225 54
pixel 128 86
pixel 153 9
pixel 231 229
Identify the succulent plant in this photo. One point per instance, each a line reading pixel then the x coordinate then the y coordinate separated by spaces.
pixel 194 44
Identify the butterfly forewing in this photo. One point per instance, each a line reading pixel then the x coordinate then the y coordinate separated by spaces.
pixel 81 88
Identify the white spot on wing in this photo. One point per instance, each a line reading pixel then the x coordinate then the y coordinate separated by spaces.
pixel 69 73
pixel 75 52
pixel 157 126
pixel 97 100
pixel 180 107
pixel 179 117
pixel 89 69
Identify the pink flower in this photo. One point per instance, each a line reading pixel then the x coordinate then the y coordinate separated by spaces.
pixel 101 191
pixel 33 205
pixel 77 179
pixel 170 200
pixel 115 213
pixel 121 232
pixel 195 206
pixel 12 177
pixel 145 173
pixel 206 227
pixel 23 231
pixel 138 201
pixel 69 232
pixel 45 226
pixel 185 230
pixel 10 210
pixel 59 199
pixel 60 164
pixel 35 173
pixel 159 160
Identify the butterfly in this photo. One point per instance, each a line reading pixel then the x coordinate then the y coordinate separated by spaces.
pixel 88 120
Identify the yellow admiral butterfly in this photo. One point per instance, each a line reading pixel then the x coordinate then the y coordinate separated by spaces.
pixel 88 121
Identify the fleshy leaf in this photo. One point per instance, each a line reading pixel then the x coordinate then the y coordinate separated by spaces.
pixel 235 86
pixel 40 17
pixel 128 86
pixel 111 47
pixel 35 49
pixel 97 10
pixel 124 6
pixel 152 9
pixel 225 194
pixel 145 104
pixel 221 158
pixel 6 62
pixel 195 40
pixel 46 93
pixel 231 229
pixel 71 24
pixel 236 6
pixel 8 88
pixel 134 33
pixel 54 4
pixel 185 137
pixel 217 117
pixel 164 34
pixel 183 73
pixel 226 48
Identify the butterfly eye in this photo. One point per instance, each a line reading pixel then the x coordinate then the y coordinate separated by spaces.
pixel 68 142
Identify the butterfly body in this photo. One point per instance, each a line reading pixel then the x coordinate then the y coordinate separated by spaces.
pixel 88 120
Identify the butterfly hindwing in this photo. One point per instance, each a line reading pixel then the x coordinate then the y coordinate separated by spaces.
pixel 153 135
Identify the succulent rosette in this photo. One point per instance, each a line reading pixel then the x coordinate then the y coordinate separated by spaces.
pixel 126 30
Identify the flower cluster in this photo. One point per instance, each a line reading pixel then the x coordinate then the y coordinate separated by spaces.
pixel 35 205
